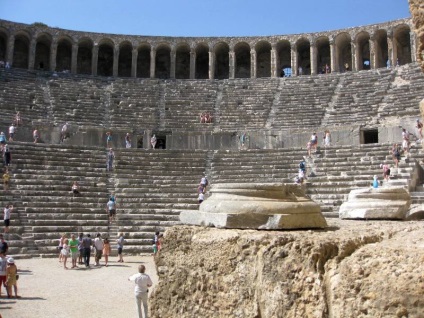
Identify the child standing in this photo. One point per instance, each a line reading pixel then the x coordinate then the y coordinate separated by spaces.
pixel 65 252
pixel 11 280
pixel 106 250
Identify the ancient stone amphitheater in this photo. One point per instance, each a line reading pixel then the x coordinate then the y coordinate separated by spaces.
pixel 363 84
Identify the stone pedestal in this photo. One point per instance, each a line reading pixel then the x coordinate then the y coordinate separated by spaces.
pixel 256 206
pixel 381 203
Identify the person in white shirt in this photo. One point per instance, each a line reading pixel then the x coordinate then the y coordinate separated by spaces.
pixel 98 245
pixel 142 283
pixel 12 130
pixel 201 197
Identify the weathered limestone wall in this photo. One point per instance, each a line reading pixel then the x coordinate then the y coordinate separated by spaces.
pixel 417 11
pixel 354 269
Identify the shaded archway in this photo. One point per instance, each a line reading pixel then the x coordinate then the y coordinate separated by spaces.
pixel 284 58
pixel 263 59
pixel 143 61
pixel 125 59
pixel 84 56
pixel 202 61
pixel 402 44
pixel 363 50
pixel 3 45
pixel 163 61
pixel 42 52
pixel 242 60
pixel 304 55
pixel 222 60
pixel 64 54
pixel 21 50
pixel 182 61
pixel 381 48
pixel 343 52
pixel 105 58
pixel 323 55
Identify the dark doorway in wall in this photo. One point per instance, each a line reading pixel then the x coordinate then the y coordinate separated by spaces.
pixel 370 136
pixel 140 142
pixel 161 142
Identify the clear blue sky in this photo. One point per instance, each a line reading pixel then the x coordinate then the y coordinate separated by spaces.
pixel 203 17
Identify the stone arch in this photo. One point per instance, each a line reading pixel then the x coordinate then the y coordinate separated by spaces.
pixel 263 59
pixel 3 44
pixel 42 52
pixel 381 48
pixel 163 61
pixel 84 56
pixel 242 60
pixel 283 48
pixel 182 61
pixel 202 61
pixel 105 58
pixel 363 50
pixel 21 50
pixel 343 52
pixel 222 60
pixel 402 44
pixel 143 60
pixel 322 45
pixel 125 59
pixel 64 54
pixel 304 55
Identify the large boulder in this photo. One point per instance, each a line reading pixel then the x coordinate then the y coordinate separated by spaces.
pixel 380 203
pixel 256 206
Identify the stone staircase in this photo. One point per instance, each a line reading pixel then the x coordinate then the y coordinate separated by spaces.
pixel 152 187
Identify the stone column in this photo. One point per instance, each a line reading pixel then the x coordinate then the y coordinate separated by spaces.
pixel 313 53
pixel 372 54
pixel 232 62
pixel 192 64
pixel 294 60
pixel 173 61
pixel 94 59
pixel 274 62
pixel 211 64
pixel 74 58
pixel 31 53
pixel 10 49
pixel 134 57
pixel 53 55
pixel 333 57
pixel 356 63
pixel 115 60
pixel 413 44
pixel 391 48
pixel 354 59
pixel 152 62
pixel 252 63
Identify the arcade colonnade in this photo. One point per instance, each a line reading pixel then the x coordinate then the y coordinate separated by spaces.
pixel 40 47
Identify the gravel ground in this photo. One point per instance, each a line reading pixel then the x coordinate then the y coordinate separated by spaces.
pixel 48 290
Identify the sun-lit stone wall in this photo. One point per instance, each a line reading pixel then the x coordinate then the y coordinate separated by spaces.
pixel 417 11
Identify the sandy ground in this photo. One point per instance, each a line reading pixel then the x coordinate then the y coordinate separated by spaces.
pixel 48 290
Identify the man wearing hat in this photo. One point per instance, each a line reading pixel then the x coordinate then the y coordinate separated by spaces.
pixel 11 277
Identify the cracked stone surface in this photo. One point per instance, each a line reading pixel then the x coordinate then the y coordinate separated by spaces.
pixel 352 269
pixel 417 11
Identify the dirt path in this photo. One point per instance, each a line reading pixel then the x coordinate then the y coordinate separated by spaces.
pixel 48 290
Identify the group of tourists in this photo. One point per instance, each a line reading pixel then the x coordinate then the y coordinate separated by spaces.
pixel 201 189
pixel 80 249
pixel 206 118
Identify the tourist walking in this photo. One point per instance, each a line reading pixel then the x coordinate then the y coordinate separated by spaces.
pixel 314 141
pixel 108 139
pixel 98 246
pixel 111 210
pixel 18 120
pixel 106 250
pixel 87 243
pixel 80 249
pixel 201 197
pixel 64 132
pixel 12 278
pixel 153 141
pixel 110 158
pixel 120 244
pixel 6 180
pixel 127 141
pixel 204 183
pixel 327 138
pixel 6 218
pixel 3 266
pixel 12 130
pixel 3 245
pixel 65 252
pixel 7 156
pixel 142 283
pixel 396 154
pixel 36 135
pixel 405 140
pixel 75 189
pixel 386 171
pixel 2 138
pixel 73 246
pixel 419 127
pixel 60 247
